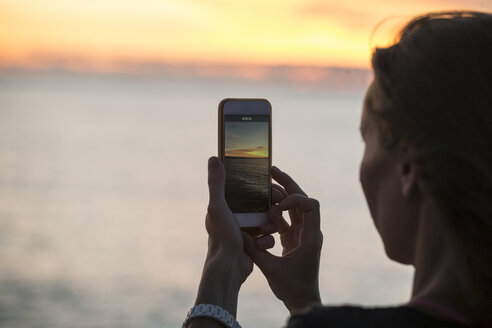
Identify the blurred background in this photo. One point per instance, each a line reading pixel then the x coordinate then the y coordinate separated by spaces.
pixel 108 114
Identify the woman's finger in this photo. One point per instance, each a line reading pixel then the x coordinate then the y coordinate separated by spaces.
pixel 281 189
pixel 265 242
pixel 282 225
pixel 216 181
pixel 277 195
pixel 295 216
pixel 267 262
pixel 310 213
pixel 286 181
pixel 271 224
pixel 304 203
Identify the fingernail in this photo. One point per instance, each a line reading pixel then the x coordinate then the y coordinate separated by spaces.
pixel 212 162
pixel 261 242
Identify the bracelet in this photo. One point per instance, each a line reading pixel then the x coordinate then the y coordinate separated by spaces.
pixel 211 311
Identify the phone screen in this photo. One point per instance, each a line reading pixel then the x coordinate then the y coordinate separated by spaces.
pixel 247 163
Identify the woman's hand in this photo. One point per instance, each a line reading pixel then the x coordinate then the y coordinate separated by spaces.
pixel 293 277
pixel 226 266
pixel 225 241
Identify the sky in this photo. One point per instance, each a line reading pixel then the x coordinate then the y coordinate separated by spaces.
pixel 246 139
pixel 110 35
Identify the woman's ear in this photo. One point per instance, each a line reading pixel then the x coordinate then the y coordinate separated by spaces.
pixel 407 172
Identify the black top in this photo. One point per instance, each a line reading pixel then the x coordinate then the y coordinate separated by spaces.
pixel 358 317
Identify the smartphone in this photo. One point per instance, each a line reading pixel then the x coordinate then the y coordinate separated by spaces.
pixel 245 147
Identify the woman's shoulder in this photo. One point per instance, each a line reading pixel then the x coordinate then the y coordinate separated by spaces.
pixel 358 317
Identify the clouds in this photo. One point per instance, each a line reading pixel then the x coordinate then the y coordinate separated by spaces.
pixel 254 152
pixel 246 139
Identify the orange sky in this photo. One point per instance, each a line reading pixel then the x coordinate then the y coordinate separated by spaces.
pixel 100 35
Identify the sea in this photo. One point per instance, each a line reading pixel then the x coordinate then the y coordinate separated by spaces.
pixel 246 187
pixel 103 193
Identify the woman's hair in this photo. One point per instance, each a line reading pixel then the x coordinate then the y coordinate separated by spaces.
pixel 437 80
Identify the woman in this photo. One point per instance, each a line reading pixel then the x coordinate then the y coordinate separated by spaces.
pixel 427 177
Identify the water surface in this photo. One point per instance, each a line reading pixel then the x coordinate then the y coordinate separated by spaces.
pixel 103 192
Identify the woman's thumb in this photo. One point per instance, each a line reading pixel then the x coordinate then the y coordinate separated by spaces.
pixel 263 259
pixel 216 179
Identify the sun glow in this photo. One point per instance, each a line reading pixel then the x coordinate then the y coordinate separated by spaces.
pixel 257 152
pixel 109 35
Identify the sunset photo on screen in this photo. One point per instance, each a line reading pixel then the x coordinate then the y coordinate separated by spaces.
pixel 247 164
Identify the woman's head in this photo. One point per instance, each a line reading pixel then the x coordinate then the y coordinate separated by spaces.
pixel 381 175
pixel 434 110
